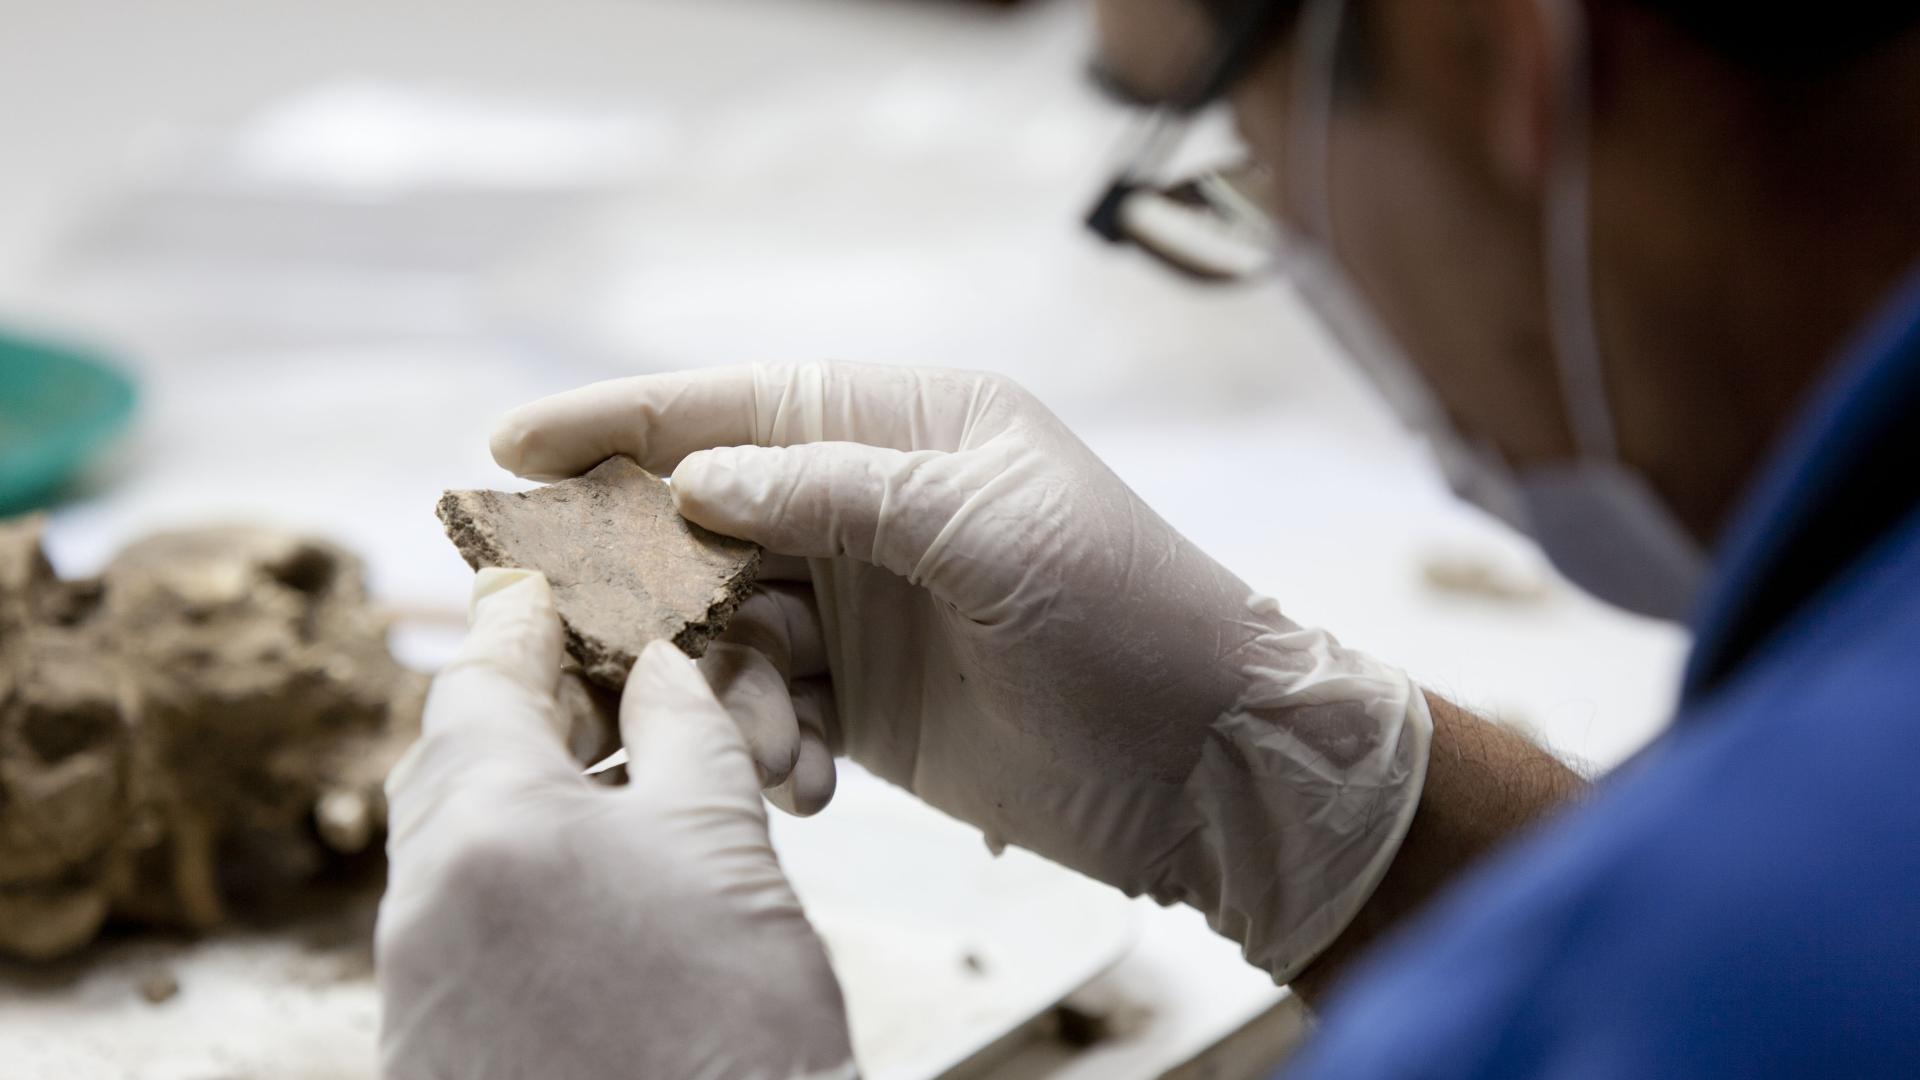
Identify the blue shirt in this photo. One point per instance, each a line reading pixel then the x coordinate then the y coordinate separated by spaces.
pixel 1743 898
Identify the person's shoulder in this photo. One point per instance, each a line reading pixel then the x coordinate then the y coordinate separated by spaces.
pixel 1744 898
pixel 1857 636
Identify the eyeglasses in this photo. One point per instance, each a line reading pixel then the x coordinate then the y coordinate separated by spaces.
pixel 1213 226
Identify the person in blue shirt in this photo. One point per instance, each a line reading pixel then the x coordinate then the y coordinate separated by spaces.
pixel 1647 275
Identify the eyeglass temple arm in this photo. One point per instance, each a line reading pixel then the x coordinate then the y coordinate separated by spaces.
pixel 1153 140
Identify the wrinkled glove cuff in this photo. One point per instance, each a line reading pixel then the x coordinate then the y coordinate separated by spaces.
pixel 1301 795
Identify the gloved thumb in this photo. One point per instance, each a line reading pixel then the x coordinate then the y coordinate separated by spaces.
pixel 678 736
pixel 491 714
pixel 506 671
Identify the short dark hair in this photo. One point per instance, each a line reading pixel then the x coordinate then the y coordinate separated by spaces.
pixel 1776 40
pixel 1789 39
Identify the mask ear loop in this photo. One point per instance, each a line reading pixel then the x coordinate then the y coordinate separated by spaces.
pixel 1309 250
pixel 1473 469
pixel 1569 241
pixel 1310 144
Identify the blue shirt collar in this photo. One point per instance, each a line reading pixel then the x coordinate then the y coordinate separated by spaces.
pixel 1848 470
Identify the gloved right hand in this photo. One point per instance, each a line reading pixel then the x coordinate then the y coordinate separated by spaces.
pixel 988 617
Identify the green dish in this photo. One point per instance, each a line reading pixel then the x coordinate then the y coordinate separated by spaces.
pixel 58 408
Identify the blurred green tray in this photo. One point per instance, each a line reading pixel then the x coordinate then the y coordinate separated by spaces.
pixel 58 407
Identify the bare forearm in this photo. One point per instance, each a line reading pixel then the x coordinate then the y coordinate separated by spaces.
pixel 1484 783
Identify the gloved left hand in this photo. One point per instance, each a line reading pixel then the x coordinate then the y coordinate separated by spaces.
pixel 538 924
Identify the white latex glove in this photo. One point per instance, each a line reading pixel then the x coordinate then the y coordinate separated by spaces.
pixel 991 619
pixel 537 924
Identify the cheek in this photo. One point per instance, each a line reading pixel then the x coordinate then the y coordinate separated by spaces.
pixel 1455 276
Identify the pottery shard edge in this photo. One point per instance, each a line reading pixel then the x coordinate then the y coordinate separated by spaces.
pixel 625 567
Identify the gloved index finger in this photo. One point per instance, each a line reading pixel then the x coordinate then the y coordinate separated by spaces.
pixel 659 419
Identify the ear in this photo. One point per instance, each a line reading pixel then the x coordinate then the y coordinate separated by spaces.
pixel 1532 52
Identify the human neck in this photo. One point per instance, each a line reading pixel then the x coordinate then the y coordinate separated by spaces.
pixel 1752 232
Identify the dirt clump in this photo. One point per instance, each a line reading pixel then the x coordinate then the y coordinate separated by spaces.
pixel 209 720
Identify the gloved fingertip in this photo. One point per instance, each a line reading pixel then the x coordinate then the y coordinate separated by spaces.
pixel 512 441
pixel 773 762
pixel 497 588
pixel 811 785
pixel 663 656
pixel 699 473
pixel 781 797
pixel 662 668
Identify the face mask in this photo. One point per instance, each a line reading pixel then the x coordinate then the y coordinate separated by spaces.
pixel 1599 521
